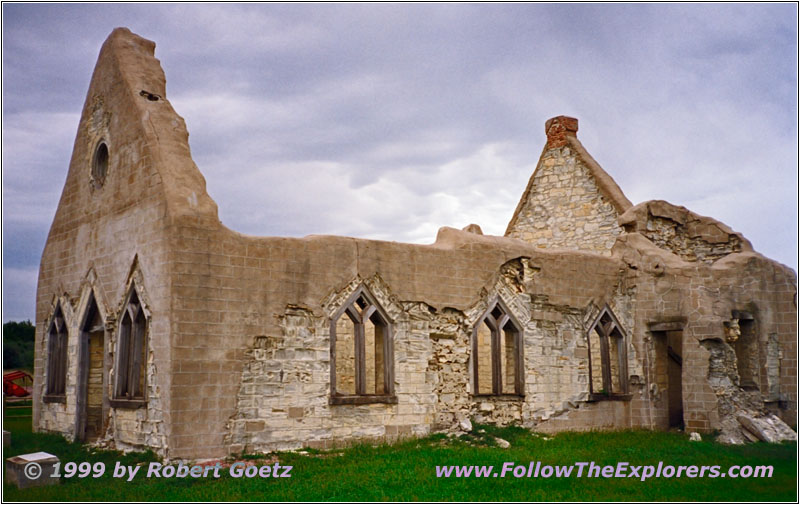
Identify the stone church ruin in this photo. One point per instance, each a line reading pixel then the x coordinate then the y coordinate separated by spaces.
pixel 158 327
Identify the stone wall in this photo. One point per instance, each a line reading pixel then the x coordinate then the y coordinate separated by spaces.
pixel 700 302
pixel 434 296
pixel 565 208
pixel 670 235
pixel 105 234
pixel 684 233
pixel 283 400
pixel 570 202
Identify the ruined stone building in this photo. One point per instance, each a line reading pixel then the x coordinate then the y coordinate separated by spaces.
pixel 158 327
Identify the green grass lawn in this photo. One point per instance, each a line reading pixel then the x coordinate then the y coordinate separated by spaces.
pixel 407 471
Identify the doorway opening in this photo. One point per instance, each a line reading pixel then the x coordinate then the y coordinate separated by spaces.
pixel 89 424
pixel 674 355
pixel 669 369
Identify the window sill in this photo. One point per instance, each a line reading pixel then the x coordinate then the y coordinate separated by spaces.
pixel 361 399
pixel 503 398
pixel 595 397
pixel 54 399
pixel 127 404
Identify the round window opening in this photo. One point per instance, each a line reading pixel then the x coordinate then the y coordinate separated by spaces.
pixel 100 164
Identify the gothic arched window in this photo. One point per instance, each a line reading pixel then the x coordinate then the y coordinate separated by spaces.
pixel 608 357
pixel 497 358
pixel 362 364
pixel 57 339
pixel 131 351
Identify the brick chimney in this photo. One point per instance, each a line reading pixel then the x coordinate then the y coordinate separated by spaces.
pixel 558 128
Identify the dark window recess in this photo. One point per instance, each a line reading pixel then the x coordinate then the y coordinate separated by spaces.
pixel 56 356
pixel 362 364
pixel 100 164
pixel 497 360
pixel 608 358
pixel 131 349
pixel 748 356
pixel 150 96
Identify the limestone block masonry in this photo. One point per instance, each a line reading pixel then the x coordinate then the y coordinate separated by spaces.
pixel 158 327
pixel 570 202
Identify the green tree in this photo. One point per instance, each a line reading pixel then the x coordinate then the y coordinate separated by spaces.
pixel 18 344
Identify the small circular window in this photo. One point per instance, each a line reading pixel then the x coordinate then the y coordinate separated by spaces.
pixel 100 164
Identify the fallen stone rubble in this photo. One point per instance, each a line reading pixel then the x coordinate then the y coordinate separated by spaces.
pixel 745 426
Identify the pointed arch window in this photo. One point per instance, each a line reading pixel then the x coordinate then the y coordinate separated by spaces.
pixel 131 351
pixel 497 356
pixel 608 358
pixel 57 339
pixel 362 363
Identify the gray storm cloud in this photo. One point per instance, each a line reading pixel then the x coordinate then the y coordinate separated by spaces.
pixel 388 121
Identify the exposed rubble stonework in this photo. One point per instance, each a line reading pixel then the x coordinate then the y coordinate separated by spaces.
pixel 677 229
pixel 158 327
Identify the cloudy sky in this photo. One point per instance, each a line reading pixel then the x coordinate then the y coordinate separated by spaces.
pixel 388 121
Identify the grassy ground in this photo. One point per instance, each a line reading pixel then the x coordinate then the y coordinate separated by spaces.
pixel 407 471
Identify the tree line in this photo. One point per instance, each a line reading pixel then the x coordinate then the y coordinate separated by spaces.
pixel 18 339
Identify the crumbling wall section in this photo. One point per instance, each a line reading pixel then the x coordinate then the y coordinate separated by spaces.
pixel 742 414
pixel 448 366
pixel 283 402
pixel 688 235
pixel 284 389
pixel 733 316
pixel 563 400
pixel 284 397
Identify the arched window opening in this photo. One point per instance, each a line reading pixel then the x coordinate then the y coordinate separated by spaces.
pixel 57 339
pixel 362 368
pixel 497 354
pixel 608 358
pixel 131 351
pixel 100 164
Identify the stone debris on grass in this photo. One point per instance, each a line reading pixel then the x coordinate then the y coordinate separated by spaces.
pixel 768 428
pixel 744 427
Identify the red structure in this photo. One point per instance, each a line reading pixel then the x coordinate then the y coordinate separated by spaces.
pixel 10 388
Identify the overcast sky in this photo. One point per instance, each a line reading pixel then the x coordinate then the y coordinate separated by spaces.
pixel 388 121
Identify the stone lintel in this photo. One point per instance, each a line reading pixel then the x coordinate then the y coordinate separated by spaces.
pixel 666 326
pixel 742 315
